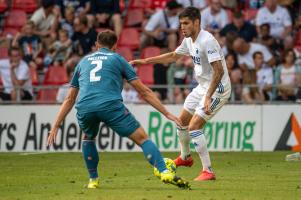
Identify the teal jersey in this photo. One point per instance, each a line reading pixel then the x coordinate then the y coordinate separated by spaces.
pixel 99 77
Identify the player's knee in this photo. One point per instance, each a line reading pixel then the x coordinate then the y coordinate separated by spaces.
pixel 88 137
pixel 194 127
pixel 139 136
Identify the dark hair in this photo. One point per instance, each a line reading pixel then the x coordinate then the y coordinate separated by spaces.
pixel 173 5
pixel 83 20
pixel 191 13
pixel 257 53
pixel 107 38
pixel 13 48
pixel 265 25
pixel 47 3
pixel 286 52
pixel 235 66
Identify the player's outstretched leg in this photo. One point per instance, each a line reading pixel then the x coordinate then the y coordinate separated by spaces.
pixel 154 157
pixel 200 144
pixel 91 159
pixel 185 158
pixel 171 178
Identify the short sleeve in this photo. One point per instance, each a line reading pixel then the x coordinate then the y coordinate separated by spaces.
pixel 36 17
pixel 287 21
pixel 224 19
pixel 213 50
pixel 175 24
pixel 153 22
pixel 266 54
pixel 74 81
pixel 183 48
pixel 259 18
pixel 128 71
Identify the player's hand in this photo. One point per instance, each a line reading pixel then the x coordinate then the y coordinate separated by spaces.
pixel 138 62
pixel 174 118
pixel 52 136
pixel 207 104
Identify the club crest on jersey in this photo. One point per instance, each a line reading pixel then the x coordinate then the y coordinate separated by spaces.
pixel 212 51
pixel 196 51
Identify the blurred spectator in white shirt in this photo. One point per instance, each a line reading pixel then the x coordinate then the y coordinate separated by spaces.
pixel 264 76
pixel 245 53
pixel 45 18
pixel 278 18
pixel 16 78
pixel 162 28
pixel 214 17
pixel 288 77
pixel 200 4
pixel 63 90
pixel 129 95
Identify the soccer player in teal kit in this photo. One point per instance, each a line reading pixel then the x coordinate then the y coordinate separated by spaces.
pixel 98 78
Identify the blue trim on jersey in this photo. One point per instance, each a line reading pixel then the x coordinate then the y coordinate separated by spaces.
pixel 194 134
pixel 221 88
pixel 133 79
pixel 215 103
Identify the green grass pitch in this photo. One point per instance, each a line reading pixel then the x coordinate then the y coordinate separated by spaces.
pixel 127 176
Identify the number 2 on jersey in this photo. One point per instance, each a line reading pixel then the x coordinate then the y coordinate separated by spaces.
pixel 93 77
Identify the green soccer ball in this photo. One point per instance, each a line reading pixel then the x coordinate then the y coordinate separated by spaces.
pixel 170 165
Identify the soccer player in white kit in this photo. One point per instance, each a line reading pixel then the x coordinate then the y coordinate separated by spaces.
pixel 208 97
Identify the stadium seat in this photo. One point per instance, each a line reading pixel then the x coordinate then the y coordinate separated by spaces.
pixel 297 41
pixel 34 76
pixel 125 52
pixel 158 4
pixel 140 4
pixel 3 52
pixel 134 17
pixel 129 37
pixel 3 6
pixel 15 19
pixel 28 6
pixel 121 5
pixel 250 14
pixel 9 32
pixel 56 76
pixel 146 74
pixel 150 52
pixel 47 95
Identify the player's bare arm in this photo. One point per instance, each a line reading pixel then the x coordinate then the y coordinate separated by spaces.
pixel 163 59
pixel 63 112
pixel 148 95
pixel 218 73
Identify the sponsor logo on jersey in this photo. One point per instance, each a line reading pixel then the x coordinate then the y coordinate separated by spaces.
pixel 212 51
pixel 196 60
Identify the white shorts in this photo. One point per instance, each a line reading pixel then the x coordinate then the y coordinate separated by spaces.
pixel 194 102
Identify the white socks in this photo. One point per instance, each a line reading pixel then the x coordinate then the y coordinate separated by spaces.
pixel 184 141
pixel 200 144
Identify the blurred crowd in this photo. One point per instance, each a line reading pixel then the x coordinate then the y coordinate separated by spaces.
pixel 261 40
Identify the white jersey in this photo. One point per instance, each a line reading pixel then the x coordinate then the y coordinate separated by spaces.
pixel 22 73
pixel 204 51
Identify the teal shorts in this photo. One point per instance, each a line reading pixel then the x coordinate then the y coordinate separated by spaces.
pixel 118 119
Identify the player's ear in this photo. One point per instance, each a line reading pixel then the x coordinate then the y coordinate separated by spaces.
pixel 97 45
pixel 196 22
